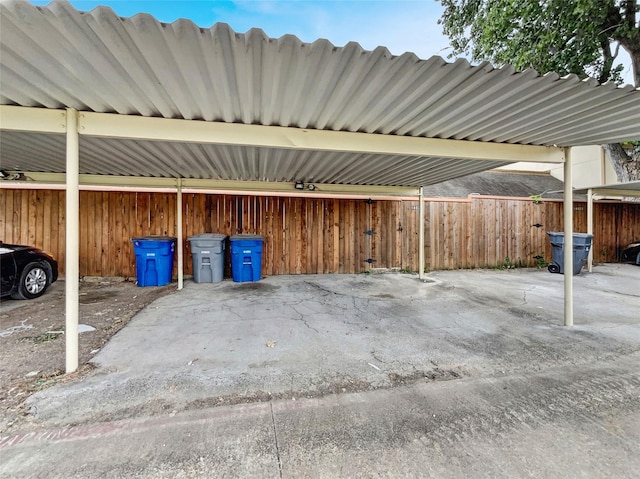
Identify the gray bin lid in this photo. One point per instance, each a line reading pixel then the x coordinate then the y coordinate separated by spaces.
pixel 247 237
pixel 575 235
pixel 208 236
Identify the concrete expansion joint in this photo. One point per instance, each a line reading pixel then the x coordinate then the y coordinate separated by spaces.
pixel 275 440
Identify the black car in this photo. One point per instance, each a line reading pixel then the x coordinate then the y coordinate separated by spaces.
pixel 27 272
pixel 631 254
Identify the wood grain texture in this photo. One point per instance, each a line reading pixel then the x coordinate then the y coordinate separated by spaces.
pixel 312 235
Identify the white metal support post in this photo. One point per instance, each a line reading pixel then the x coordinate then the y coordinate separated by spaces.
pixel 72 238
pixel 179 235
pixel 590 227
pixel 568 239
pixel 421 235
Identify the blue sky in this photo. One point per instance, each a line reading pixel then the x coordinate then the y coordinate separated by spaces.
pixel 400 25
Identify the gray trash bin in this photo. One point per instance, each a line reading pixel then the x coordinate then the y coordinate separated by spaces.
pixel 207 251
pixel 581 248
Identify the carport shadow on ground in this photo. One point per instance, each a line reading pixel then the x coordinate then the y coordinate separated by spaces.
pixel 308 336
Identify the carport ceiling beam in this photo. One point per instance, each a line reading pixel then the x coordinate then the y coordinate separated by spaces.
pixel 195 184
pixel 615 192
pixel 193 131
pixel 38 120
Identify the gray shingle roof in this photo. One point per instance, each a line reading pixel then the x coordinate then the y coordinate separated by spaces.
pixel 494 183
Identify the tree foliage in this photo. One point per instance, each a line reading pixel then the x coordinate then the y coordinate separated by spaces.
pixel 582 37
pixel 564 36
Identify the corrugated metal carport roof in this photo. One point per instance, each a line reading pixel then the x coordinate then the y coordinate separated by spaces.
pixel 631 188
pixel 56 57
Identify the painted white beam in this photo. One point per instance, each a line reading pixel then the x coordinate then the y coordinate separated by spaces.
pixel 568 240
pixel 421 235
pixel 41 120
pixel 133 182
pixel 180 239
pixel 615 192
pixel 192 131
pixel 72 240
pixel 590 227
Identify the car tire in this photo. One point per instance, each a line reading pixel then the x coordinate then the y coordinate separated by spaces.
pixel 34 281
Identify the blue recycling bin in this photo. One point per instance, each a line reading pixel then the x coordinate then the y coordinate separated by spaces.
pixel 246 258
pixel 154 259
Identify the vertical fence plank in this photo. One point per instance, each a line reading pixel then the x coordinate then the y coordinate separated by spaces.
pixel 17 217
pixel 55 223
pixel 329 225
pixel 33 218
pixel 87 219
pixel 5 214
pixel 343 251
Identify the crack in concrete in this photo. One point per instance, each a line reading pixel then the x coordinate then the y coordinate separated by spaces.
pixel 524 295
pixel 302 319
pixel 631 295
pixel 358 308
pixel 374 354
pixel 327 291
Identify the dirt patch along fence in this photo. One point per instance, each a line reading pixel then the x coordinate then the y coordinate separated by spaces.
pixel 314 235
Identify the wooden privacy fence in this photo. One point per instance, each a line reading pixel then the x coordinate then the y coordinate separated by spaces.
pixel 313 235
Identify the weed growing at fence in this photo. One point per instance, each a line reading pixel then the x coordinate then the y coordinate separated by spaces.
pixel 541 263
pixel 508 264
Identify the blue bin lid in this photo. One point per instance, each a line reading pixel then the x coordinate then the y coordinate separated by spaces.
pixel 246 237
pixel 154 238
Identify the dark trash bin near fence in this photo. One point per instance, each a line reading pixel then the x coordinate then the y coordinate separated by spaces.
pixel 154 259
pixel 207 250
pixel 246 258
pixel 581 248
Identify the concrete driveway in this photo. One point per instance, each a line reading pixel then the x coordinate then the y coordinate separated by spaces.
pixel 488 338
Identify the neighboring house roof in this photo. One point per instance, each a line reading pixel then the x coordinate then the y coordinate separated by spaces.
pixel 495 183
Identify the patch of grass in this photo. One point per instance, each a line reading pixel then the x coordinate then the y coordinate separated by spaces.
pixel 509 264
pixel 42 338
pixel 541 263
